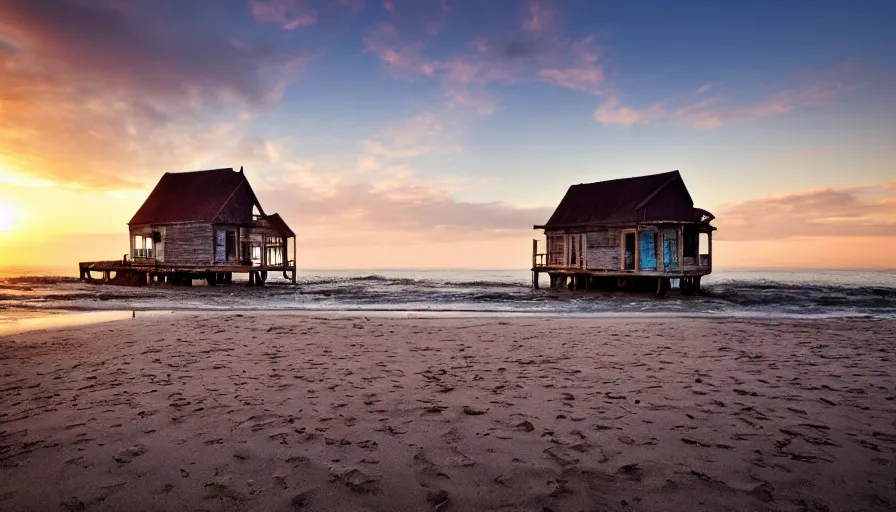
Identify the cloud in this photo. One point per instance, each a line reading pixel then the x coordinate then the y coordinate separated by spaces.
pixel 294 14
pixel 717 111
pixel 290 14
pixel 479 101
pixel 383 200
pixel 100 93
pixel 384 41
pixel 135 49
pixel 712 113
pixel 586 79
pixel 537 50
pixel 705 88
pixel 424 212
pixel 425 134
pixel 827 212
pixel 611 112
pixel 540 19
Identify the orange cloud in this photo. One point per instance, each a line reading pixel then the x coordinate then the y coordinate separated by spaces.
pixel 90 89
pixel 366 210
pixel 830 212
pixel 828 252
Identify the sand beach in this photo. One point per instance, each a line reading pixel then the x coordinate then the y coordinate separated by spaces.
pixel 231 411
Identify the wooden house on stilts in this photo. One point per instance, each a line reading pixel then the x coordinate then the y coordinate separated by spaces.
pixel 634 233
pixel 204 225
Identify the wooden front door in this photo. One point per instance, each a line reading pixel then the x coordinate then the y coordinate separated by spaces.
pixel 648 251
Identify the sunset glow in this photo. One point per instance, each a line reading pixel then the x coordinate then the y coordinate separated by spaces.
pixel 7 216
pixel 421 134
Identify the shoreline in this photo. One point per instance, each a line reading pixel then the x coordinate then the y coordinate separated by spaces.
pixel 478 294
pixel 319 412
pixel 33 319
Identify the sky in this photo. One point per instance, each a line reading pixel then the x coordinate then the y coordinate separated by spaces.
pixel 436 133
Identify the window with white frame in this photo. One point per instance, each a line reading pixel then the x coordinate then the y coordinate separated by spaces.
pixel 143 246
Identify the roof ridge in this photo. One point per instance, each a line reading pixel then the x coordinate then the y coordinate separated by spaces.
pixel 202 170
pixel 630 178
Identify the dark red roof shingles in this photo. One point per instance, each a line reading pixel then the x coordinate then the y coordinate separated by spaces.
pixel 198 196
pixel 279 225
pixel 625 200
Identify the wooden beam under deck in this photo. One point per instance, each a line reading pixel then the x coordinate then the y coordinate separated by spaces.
pixel 137 273
pixel 100 266
pixel 566 271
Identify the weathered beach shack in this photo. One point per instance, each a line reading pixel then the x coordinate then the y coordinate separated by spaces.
pixel 634 233
pixel 202 225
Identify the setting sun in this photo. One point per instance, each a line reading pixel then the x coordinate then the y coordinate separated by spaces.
pixel 7 216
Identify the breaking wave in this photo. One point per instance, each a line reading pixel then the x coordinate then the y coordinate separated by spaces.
pixel 756 293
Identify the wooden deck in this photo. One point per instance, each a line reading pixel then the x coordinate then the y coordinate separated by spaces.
pixel 138 273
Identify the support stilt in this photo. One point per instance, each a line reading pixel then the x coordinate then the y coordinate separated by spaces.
pixel 662 286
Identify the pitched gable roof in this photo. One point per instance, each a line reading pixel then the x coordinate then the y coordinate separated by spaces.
pixel 625 200
pixel 199 196
pixel 279 225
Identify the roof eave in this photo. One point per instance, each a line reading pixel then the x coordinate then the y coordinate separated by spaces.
pixel 617 224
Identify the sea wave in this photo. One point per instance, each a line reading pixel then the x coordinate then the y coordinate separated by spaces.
pixel 840 294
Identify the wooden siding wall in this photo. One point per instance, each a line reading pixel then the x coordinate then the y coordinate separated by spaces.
pixel 189 244
pixel 604 249
pixel 159 248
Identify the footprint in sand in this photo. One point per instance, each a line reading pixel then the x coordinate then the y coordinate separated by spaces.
pixel 127 455
pixel 438 498
pixel 356 480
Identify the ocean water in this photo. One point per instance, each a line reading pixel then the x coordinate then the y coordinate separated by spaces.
pixel 758 293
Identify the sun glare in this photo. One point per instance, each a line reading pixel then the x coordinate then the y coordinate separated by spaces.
pixel 7 216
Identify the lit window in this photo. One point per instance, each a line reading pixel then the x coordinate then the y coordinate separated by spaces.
pixel 143 246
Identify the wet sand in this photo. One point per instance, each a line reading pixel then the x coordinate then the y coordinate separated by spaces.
pixel 223 411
